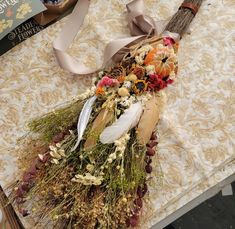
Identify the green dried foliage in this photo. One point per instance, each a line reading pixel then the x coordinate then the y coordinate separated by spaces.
pixel 54 122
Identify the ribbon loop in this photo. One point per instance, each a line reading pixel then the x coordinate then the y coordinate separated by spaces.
pixel 140 26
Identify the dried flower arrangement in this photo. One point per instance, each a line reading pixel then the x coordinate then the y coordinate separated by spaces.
pixel 97 152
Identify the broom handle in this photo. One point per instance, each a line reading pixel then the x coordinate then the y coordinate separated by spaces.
pixel 183 17
pixel 9 212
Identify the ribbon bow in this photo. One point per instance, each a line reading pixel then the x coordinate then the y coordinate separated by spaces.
pixel 140 26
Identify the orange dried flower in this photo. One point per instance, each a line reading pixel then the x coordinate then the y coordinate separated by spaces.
pixel 99 91
pixel 163 61
pixel 121 79
pixel 139 72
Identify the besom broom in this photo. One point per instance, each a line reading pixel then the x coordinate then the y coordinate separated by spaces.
pixel 94 156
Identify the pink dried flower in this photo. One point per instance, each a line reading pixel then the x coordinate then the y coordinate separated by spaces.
pixel 106 81
pixel 168 41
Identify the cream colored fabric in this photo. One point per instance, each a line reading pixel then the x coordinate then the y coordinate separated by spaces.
pixel 196 131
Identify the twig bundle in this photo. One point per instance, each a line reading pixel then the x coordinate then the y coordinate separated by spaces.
pixel 182 19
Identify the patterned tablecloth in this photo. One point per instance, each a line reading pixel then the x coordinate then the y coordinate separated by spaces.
pixel 197 130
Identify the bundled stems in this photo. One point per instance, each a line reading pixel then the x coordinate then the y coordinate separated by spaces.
pixel 183 17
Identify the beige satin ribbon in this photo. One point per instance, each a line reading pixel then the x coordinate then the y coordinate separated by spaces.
pixel 140 26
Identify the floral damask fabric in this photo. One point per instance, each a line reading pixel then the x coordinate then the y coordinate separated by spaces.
pixel 196 146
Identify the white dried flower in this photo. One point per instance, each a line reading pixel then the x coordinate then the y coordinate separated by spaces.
pixel 61 152
pixel 120 155
pixel 88 179
pixel 144 98
pixel 55 155
pixel 150 69
pixel 145 48
pixel 124 199
pixel 41 157
pixel 172 75
pixel 127 84
pixel 55 161
pixel 161 46
pixel 113 156
pixel 90 167
pixel 110 160
pixel 58 145
pixel 139 60
pixel 52 148
pixel 100 74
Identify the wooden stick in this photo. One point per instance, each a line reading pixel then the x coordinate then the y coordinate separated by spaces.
pixel 183 17
pixel 9 211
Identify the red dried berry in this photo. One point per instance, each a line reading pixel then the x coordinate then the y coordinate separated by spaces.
pixel 20 192
pixel 142 190
pixel 32 170
pixel 25 186
pixel 145 188
pixel 24 213
pixel 148 168
pixel 128 223
pixel 134 221
pixel 27 177
pixel 150 152
pixel 153 136
pixel 58 138
pixel 138 202
pixel 152 144
pixel 20 200
pixel 136 210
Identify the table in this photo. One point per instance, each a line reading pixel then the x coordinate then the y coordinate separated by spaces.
pixel 196 148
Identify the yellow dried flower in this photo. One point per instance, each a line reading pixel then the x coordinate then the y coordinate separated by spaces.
pixel 132 77
pixel 123 92
pixel 140 86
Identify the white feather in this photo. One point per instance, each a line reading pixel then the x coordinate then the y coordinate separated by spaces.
pixel 128 120
pixel 84 119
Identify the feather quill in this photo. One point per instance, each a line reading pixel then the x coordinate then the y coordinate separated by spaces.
pixel 84 119
pixel 128 120
pixel 102 120
pixel 149 119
